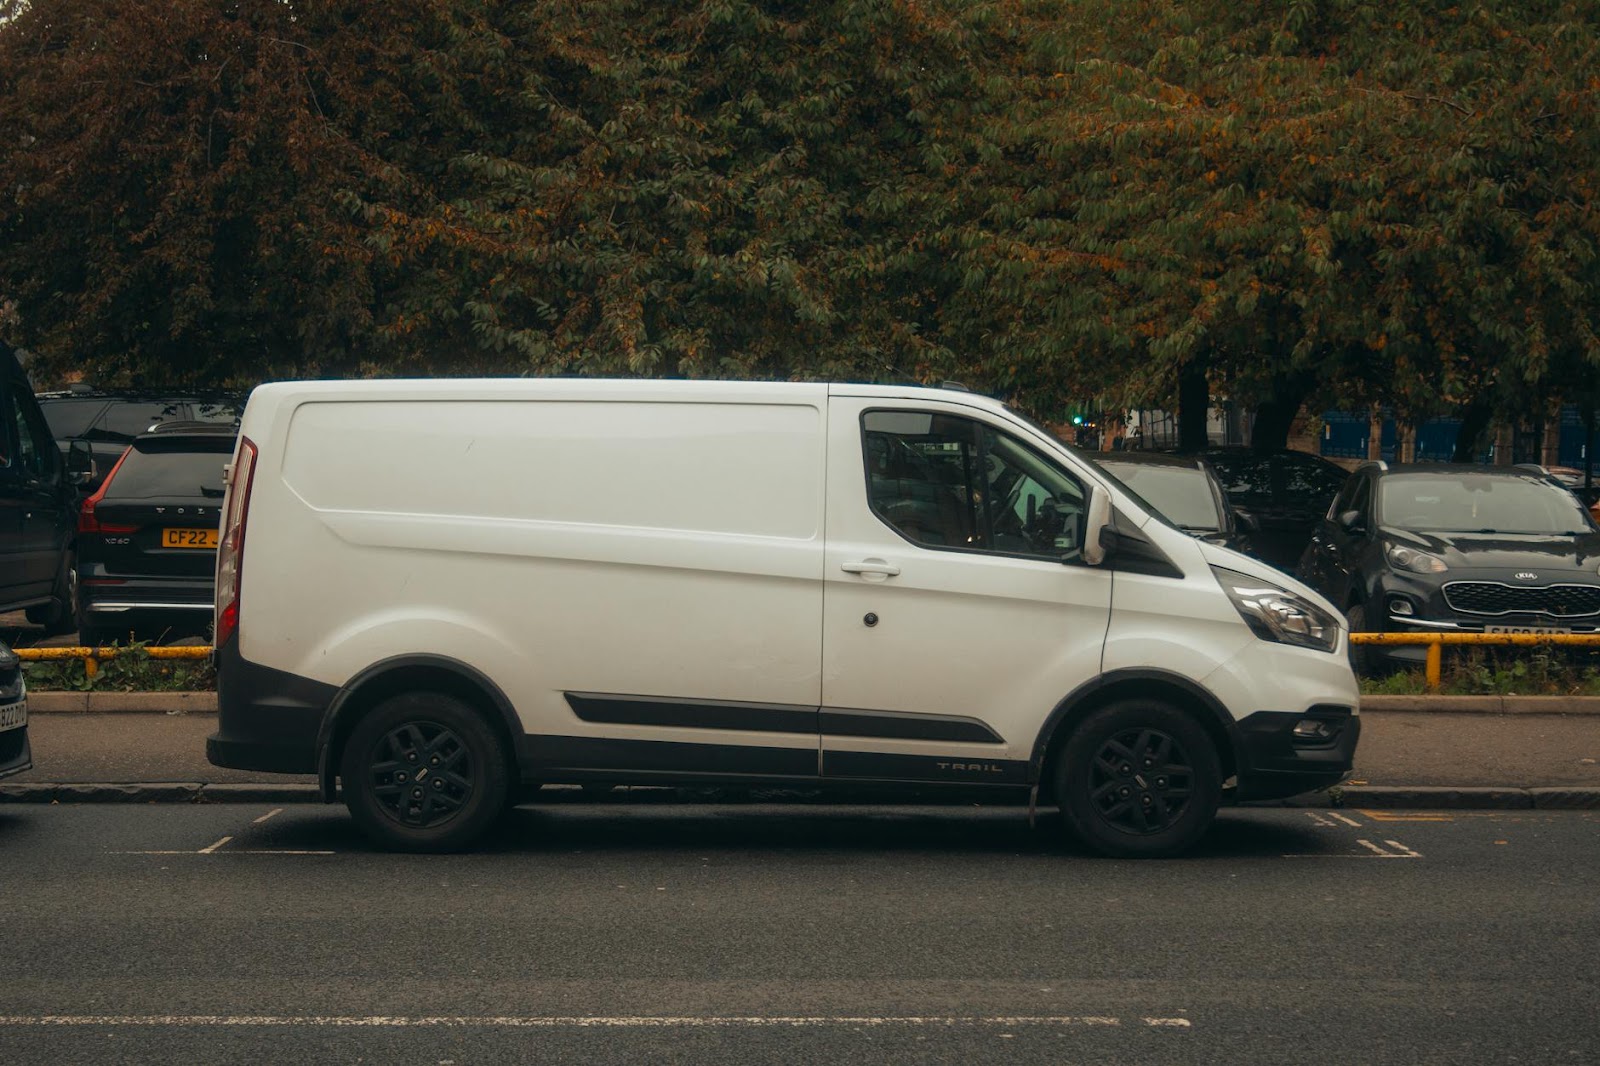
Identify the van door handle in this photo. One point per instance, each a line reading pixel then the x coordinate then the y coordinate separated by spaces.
pixel 871 566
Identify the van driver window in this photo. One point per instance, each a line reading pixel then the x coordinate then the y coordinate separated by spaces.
pixel 948 482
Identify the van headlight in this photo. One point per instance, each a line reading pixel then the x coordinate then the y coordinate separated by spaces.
pixel 1277 614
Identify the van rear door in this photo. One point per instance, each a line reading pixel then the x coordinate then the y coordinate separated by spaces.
pixel 957 609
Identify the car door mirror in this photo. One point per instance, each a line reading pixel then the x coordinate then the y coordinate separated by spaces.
pixel 1099 539
pixel 80 463
pixel 1351 522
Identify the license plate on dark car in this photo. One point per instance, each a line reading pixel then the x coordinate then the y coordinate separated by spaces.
pixel 1526 629
pixel 188 538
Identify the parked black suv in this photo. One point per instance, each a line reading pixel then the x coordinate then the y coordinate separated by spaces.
pixel 1286 493
pixel 147 538
pixel 109 419
pixel 38 503
pixel 1455 548
pixel 1185 492
pixel 15 754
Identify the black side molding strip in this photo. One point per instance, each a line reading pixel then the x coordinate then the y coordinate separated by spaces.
pixel 692 714
pixel 612 709
pixel 902 726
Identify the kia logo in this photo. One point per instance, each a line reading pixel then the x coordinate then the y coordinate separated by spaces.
pixel 1526 576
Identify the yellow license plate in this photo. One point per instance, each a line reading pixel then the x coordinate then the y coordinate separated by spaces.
pixel 188 538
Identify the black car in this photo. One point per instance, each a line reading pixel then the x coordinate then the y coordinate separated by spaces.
pixel 147 538
pixel 1287 493
pixel 38 505
pixel 1186 493
pixel 15 756
pixel 109 419
pixel 1455 548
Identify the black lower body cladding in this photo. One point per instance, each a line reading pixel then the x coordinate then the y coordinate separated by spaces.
pixel 1275 763
pixel 266 719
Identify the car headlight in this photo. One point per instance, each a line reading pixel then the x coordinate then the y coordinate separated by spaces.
pixel 1402 558
pixel 1277 614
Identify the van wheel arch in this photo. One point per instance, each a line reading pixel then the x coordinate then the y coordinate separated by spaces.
pixel 410 673
pixel 1172 689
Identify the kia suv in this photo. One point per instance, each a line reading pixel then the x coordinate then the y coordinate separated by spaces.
pixel 1442 548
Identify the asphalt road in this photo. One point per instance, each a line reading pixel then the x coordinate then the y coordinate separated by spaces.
pixel 742 934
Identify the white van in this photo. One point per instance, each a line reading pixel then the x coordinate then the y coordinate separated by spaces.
pixel 435 593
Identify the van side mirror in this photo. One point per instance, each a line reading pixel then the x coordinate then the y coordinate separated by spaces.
pixel 1350 522
pixel 1097 545
pixel 80 463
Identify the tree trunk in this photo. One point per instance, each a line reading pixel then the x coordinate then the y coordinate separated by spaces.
pixel 1474 420
pixel 1275 415
pixel 1194 402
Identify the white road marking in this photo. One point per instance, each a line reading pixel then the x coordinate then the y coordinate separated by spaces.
pixel 264 817
pixel 554 1022
pixel 1342 818
pixel 1407 852
pixel 1369 845
pixel 214 847
pixel 230 851
pixel 1317 819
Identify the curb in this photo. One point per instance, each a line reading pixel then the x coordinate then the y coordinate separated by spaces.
pixel 1418 797
pixel 122 703
pixel 157 792
pixel 1561 705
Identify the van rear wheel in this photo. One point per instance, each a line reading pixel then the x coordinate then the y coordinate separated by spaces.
pixel 1139 779
pixel 424 772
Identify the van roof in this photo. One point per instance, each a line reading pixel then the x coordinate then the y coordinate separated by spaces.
pixel 604 389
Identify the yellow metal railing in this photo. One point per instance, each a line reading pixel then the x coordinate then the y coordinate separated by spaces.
pixel 91 656
pixel 1435 643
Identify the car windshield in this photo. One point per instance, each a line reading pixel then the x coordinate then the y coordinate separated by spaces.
pixel 1479 503
pixel 1182 494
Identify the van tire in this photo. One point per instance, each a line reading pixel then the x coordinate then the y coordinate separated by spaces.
pixel 1137 819
pixel 389 757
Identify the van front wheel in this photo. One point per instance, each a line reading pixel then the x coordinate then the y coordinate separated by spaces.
pixel 424 772
pixel 1139 779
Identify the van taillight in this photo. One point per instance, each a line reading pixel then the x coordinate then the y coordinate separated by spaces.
pixel 88 521
pixel 230 553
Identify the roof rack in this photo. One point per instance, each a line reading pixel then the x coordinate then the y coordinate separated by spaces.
pixel 191 426
pixel 954 386
pixel 1375 463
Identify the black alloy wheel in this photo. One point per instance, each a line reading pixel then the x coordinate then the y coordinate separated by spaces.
pixel 421 774
pixel 1138 779
pixel 425 772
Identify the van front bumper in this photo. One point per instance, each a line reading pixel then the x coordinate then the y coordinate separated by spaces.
pixel 1275 762
pixel 266 719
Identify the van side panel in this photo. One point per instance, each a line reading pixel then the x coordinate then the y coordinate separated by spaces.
pixel 614 547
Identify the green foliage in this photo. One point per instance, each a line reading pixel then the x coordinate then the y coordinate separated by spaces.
pixel 131 671
pixel 1050 200
pixel 1539 671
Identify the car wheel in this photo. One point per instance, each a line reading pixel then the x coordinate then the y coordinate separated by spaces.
pixel 424 772
pixel 61 614
pixel 1360 658
pixel 1139 779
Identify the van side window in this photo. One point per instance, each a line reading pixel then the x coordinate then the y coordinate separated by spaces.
pixel 948 482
